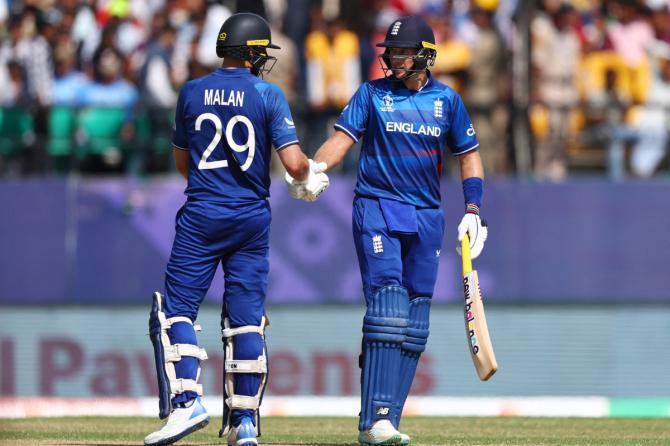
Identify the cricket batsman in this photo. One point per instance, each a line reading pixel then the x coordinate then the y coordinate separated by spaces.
pixel 226 124
pixel 405 120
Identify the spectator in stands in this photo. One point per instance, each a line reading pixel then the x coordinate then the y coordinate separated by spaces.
pixel 333 65
pixel 660 21
pixel 109 88
pixel 68 81
pixel 155 80
pixel 111 91
pixel 108 45
pixel 606 110
pixel 554 58
pixel 333 72
pixel 632 37
pixel 453 54
pixel 486 89
pixel 653 122
pixel 14 91
pixel 33 53
pixel 158 95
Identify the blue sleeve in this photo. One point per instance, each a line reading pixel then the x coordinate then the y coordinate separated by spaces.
pixel 354 118
pixel 279 113
pixel 179 132
pixel 461 135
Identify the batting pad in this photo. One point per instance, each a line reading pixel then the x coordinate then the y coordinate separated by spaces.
pixel 414 345
pixel 245 373
pixel 384 331
pixel 177 357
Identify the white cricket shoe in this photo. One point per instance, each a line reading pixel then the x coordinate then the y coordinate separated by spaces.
pixel 244 434
pixel 181 422
pixel 383 433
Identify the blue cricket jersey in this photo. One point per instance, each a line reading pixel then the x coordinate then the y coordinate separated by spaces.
pixel 228 120
pixel 405 134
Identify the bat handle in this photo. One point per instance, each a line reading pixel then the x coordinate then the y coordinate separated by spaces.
pixel 465 254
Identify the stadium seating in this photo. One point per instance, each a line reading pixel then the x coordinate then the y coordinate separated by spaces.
pixel 100 130
pixel 62 127
pixel 16 130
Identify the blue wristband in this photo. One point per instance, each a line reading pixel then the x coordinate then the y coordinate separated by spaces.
pixel 473 189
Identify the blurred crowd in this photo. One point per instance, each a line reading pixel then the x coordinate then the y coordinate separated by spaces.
pixel 553 88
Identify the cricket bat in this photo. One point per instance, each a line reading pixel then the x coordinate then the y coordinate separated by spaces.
pixel 476 330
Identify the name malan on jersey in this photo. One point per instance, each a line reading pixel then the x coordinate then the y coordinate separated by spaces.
pixel 220 97
pixel 408 127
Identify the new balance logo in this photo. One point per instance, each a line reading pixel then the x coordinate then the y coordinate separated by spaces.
pixel 396 28
pixel 377 244
pixel 383 411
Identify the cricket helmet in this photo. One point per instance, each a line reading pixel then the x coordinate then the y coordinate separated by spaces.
pixel 247 37
pixel 409 32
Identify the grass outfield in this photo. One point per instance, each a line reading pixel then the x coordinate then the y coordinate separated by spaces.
pixel 342 431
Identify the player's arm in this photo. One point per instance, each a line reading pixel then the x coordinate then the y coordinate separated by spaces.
pixel 333 151
pixel 295 162
pixel 349 128
pixel 472 175
pixel 179 135
pixel 471 165
pixel 181 161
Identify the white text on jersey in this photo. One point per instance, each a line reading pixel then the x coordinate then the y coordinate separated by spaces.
pixel 407 127
pixel 218 97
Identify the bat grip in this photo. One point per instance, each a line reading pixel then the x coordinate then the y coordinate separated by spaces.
pixel 465 254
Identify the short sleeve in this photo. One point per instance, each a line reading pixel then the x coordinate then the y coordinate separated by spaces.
pixel 461 136
pixel 281 121
pixel 179 139
pixel 354 118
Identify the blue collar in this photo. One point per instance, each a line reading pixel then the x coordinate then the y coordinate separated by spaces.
pixel 233 71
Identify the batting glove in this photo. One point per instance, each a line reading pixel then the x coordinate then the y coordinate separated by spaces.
pixel 310 189
pixel 296 189
pixel 477 230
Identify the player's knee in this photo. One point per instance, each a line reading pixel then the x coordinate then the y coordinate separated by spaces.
pixel 248 346
pixel 386 318
pixel 419 322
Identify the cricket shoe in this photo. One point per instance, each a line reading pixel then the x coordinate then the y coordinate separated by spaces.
pixel 181 422
pixel 244 434
pixel 383 433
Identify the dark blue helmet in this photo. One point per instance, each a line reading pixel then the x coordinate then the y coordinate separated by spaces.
pixel 246 36
pixel 410 32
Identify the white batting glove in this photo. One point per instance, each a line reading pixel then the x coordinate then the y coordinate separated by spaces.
pixel 476 230
pixel 317 181
pixel 310 189
pixel 296 189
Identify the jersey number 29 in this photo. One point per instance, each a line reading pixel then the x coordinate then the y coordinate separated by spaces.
pixel 250 145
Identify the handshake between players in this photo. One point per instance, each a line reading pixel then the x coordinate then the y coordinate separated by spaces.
pixel 311 187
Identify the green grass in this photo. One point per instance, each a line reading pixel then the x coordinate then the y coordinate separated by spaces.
pixel 342 431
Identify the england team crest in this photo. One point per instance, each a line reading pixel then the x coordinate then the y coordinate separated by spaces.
pixel 387 103
pixel 437 108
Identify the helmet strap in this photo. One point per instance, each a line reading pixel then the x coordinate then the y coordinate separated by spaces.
pixel 421 60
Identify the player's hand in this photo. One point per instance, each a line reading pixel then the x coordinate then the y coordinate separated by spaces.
pixel 317 181
pixel 296 189
pixel 310 189
pixel 477 230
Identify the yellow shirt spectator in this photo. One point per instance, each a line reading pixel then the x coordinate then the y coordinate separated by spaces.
pixel 333 66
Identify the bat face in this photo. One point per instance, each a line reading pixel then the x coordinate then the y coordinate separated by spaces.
pixel 470 318
pixel 476 328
